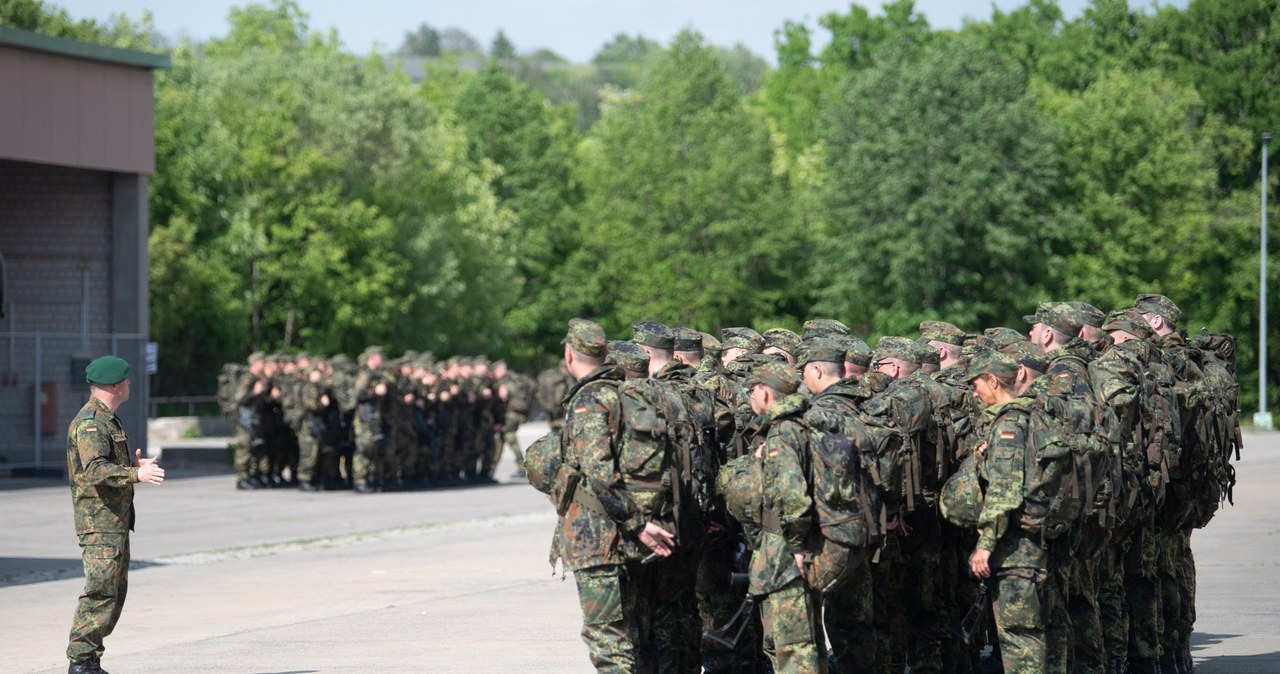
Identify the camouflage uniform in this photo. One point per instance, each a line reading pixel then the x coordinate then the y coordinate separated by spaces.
pixel 598 513
pixel 789 609
pixel 1017 561
pixel 553 386
pixel 101 472
pixel 371 429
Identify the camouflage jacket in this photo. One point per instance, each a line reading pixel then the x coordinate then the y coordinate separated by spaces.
pixel 733 405
pixel 1002 467
pixel 101 472
pixel 595 522
pixel 553 387
pixel 965 410
pixel 1067 373
pixel 788 508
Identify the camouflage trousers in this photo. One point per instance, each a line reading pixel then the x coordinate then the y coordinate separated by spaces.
pixel 670 634
pixel 848 613
pixel 511 440
pixel 1057 621
pixel 888 618
pixel 308 456
pixel 242 458
pixel 368 466
pixel 1113 610
pixel 1177 575
pixel 921 594
pixel 793 630
pixel 1017 605
pixel 106 582
pixel 608 607
pixel 1088 655
pixel 1142 595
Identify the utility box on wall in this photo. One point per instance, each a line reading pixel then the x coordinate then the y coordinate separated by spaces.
pixel 48 392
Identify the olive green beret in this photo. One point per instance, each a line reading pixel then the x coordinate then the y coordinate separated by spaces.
pixel 782 338
pixel 742 338
pixel 941 331
pixel 821 350
pixel 1057 315
pixel 1087 314
pixel 585 337
pixel 986 361
pixel 652 334
pixel 687 340
pixel 776 375
pixel 106 370
pixel 1158 304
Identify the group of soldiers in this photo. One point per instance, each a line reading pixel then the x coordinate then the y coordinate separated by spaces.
pixel 376 424
pixel 1016 499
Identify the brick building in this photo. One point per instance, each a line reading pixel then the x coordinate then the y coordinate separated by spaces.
pixel 76 146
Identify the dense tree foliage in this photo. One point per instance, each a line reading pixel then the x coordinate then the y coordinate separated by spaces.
pixel 883 171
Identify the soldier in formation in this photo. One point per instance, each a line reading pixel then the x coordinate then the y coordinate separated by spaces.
pixel 947 502
pixel 375 424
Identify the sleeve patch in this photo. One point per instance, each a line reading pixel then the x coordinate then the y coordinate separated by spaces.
pixel 91 429
pixel 580 410
pixel 1008 435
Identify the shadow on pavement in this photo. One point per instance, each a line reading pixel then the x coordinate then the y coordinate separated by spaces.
pixel 1239 664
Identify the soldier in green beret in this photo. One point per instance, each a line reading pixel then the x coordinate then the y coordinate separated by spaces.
pixel 102 473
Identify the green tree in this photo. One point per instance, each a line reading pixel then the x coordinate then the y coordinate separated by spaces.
pixel 502 48
pixel 940 201
pixel 624 59
pixel 421 41
pixel 685 220
pixel 856 37
pixel 50 19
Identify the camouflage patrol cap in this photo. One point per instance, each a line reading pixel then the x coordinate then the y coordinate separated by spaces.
pixel 742 338
pixel 629 355
pixel 941 331
pixel 928 353
pixel 856 351
pixel 899 348
pixel 711 345
pixel 777 376
pixel 823 327
pixel 652 334
pixel 1057 315
pixel 996 338
pixel 782 338
pixel 106 370
pixel 1088 314
pixel 585 337
pixel 1158 304
pixel 986 361
pixel 257 356
pixel 1130 321
pixel 821 350
pixel 687 340
pixel 1027 355
pixel 340 359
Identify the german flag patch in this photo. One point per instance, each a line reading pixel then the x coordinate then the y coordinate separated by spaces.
pixel 579 410
pixel 1007 435
pixel 91 429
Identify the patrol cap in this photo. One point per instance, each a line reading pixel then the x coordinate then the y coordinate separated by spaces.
pixel 257 356
pixel 742 338
pixel 711 345
pixel 856 351
pixel 1028 355
pixel 1057 315
pixel 776 375
pixel 687 340
pixel 782 338
pixel 928 353
pixel 652 334
pixel 942 331
pixel 821 350
pixel 987 361
pixel 1130 321
pixel 369 351
pixel 585 337
pixel 1087 314
pixel 996 338
pixel 1158 304
pixel 823 327
pixel 899 348
pixel 629 355
pixel 106 370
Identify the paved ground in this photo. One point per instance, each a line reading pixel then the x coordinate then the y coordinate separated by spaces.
pixel 441 581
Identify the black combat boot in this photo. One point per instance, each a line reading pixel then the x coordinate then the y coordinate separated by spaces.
pixel 1187 664
pixel 89 667
pixel 1143 666
pixel 1168 664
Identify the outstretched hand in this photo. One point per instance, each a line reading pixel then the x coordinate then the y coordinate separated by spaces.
pixel 148 469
